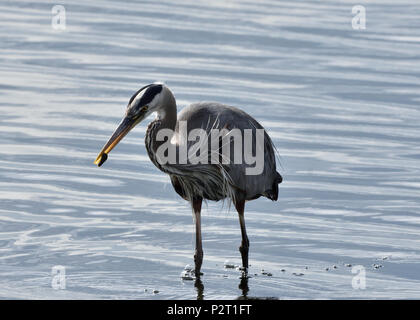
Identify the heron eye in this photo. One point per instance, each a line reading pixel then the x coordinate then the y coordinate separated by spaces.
pixel 144 109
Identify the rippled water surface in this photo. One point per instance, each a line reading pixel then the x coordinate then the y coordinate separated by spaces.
pixel 341 105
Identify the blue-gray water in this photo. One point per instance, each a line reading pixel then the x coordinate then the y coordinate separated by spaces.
pixel 341 105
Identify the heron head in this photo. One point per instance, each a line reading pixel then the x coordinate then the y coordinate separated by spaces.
pixel 145 101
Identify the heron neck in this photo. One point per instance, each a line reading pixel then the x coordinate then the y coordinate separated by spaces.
pixel 167 116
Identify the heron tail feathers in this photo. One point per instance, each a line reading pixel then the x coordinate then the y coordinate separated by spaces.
pixel 273 194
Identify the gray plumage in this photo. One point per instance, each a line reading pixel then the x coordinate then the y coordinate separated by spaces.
pixel 221 116
pixel 195 182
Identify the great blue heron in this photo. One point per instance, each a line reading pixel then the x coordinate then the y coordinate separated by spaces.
pixel 197 181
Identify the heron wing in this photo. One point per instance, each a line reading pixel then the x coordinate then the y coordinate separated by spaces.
pixel 208 116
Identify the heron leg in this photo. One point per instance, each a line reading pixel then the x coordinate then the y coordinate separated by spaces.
pixel 244 248
pixel 198 255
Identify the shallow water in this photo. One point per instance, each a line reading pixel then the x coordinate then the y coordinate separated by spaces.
pixel 341 105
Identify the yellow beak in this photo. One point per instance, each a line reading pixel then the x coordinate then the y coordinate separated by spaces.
pixel 125 126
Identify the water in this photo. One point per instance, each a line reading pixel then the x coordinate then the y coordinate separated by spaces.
pixel 341 105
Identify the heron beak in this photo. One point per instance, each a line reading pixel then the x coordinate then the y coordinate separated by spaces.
pixel 125 126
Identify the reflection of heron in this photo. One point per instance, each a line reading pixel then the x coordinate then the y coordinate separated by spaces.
pixel 243 286
pixel 195 182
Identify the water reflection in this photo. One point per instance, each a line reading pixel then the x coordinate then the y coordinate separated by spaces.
pixel 243 286
pixel 198 284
